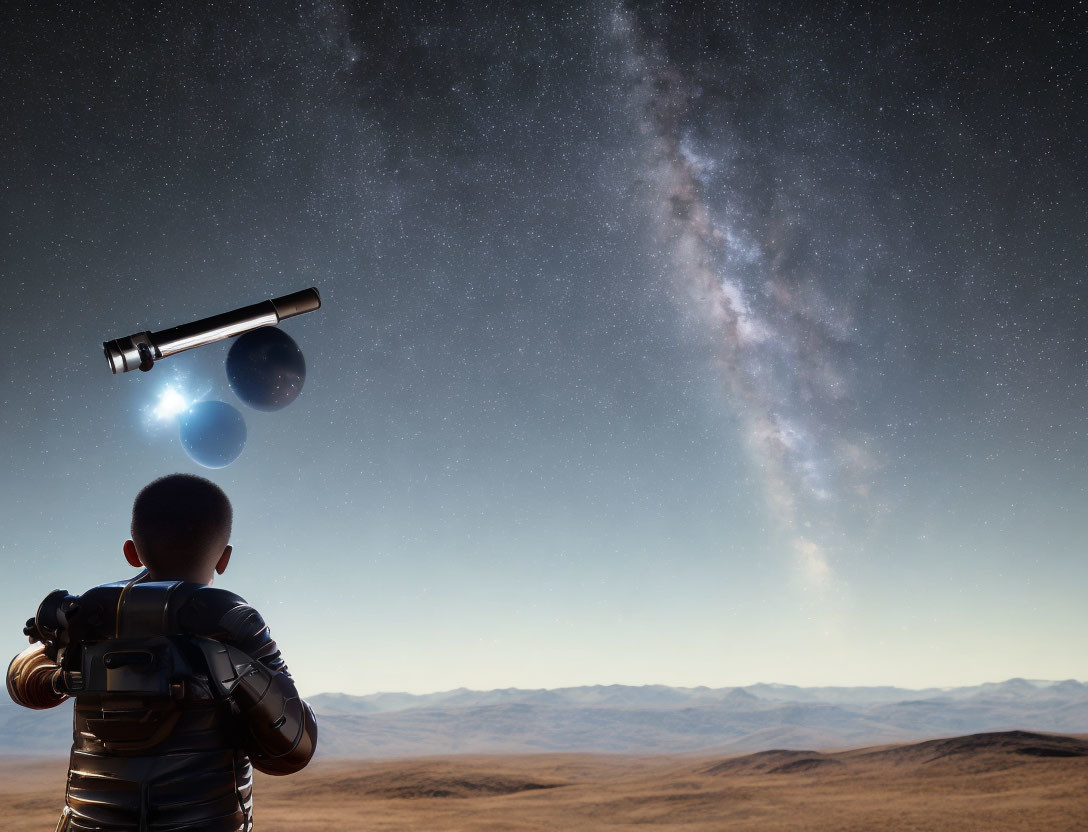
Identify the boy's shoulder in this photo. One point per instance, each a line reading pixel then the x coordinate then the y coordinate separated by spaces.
pixel 199 609
pixel 222 615
pixel 195 609
pixel 186 593
pixel 207 607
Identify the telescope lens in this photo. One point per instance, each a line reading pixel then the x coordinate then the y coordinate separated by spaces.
pixel 113 355
pixel 123 354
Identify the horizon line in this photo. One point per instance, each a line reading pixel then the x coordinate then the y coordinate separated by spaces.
pixel 1041 682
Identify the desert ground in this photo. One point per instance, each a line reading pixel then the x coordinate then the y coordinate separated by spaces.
pixel 1007 781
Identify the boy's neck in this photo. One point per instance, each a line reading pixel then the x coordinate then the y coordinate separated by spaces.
pixel 151 576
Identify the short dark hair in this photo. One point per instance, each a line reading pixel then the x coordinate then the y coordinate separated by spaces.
pixel 179 522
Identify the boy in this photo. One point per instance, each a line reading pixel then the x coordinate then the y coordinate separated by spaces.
pixel 178 686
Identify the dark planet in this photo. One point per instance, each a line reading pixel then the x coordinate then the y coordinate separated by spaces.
pixel 266 369
pixel 212 433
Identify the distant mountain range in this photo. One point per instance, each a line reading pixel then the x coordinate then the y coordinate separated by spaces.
pixel 643 719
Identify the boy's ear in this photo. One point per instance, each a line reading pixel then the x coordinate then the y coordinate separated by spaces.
pixel 221 567
pixel 131 555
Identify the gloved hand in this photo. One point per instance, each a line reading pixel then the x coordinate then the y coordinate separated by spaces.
pixel 31 629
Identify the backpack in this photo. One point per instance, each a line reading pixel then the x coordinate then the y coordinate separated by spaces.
pixel 131 684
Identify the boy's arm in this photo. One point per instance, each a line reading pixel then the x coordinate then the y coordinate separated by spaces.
pixel 30 679
pixel 281 727
pixel 248 669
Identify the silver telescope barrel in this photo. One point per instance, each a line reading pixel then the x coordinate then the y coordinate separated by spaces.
pixel 141 350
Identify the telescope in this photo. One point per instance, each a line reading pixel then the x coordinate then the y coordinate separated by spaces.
pixel 143 349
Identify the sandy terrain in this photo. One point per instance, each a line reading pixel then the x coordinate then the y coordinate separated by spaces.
pixel 987 782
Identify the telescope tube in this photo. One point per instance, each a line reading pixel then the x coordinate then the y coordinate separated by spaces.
pixel 142 349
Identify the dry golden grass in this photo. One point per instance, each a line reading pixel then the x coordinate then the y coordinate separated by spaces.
pixel 957 786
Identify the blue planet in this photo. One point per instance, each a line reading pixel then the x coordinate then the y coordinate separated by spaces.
pixel 266 369
pixel 212 433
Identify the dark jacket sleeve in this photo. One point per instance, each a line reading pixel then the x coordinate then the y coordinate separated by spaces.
pixel 280 726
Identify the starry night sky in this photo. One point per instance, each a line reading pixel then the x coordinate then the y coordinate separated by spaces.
pixel 695 344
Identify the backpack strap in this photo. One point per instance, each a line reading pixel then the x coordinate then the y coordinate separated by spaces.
pixel 147 609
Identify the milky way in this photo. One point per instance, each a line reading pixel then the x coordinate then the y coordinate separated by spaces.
pixel 772 340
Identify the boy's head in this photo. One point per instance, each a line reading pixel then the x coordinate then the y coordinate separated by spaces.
pixel 180 528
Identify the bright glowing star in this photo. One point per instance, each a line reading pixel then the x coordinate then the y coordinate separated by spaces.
pixel 171 403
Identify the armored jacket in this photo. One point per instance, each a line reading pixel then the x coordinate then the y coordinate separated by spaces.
pixel 179 692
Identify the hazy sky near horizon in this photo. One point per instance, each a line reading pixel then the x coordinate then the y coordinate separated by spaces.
pixel 702 345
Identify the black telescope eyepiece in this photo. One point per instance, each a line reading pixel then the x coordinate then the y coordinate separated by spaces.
pixel 141 350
